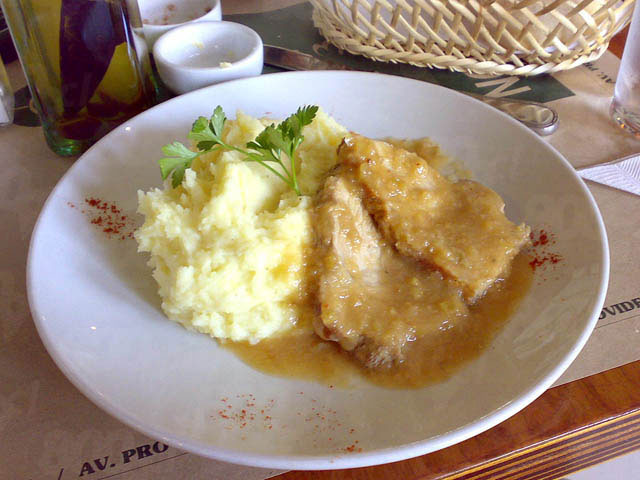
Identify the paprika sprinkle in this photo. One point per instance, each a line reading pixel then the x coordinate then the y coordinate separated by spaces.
pixel 541 241
pixel 108 217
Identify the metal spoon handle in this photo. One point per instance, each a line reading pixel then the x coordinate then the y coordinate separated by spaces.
pixel 537 116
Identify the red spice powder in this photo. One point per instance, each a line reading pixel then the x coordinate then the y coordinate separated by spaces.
pixel 246 414
pixel 552 258
pixel 352 448
pixel 541 239
pixel 108 217
pixel 541 242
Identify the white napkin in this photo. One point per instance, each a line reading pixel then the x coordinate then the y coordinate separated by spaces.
pixel 623 174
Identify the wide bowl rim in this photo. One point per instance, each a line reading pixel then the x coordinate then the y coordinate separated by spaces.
pixel 315 462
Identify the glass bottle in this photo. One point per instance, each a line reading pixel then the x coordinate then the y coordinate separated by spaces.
pixel 86 63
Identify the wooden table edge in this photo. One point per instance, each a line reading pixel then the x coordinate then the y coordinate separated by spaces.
pixel 569 428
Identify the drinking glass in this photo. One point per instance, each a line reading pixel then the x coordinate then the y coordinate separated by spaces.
pixel 625 106
pixel 86 63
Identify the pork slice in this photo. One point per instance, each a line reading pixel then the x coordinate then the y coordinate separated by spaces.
pixel 372 300
pixel 459 228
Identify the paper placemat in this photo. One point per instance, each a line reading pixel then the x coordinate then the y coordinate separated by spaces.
pixel 51 431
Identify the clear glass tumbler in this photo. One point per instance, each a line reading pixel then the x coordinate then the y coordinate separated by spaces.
pixel 625 107
pixel 86 63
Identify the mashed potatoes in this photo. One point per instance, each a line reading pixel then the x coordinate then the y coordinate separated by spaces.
pixel 228 245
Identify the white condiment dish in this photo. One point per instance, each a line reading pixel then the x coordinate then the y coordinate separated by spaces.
pixel 205 53
pixel 160 16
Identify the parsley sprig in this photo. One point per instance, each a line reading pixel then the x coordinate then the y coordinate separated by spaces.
pixel 266 149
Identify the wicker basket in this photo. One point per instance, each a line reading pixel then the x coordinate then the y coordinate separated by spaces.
pixel 506 37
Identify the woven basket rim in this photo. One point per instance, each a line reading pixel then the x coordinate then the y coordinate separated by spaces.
pixel 475 36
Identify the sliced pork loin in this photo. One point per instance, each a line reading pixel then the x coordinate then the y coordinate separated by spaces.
pixel 373 300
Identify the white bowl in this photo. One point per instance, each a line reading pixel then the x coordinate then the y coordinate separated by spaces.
pixel 97 310
pixel 160 16
pixel 204 53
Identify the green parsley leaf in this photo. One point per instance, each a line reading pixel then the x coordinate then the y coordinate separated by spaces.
pixel 167 164
pixel 216 123
pixel 201 132
pixel 177 149
pixel 305 115
pixel 178 175
pixel 270 142
pixel 268 147
pixel 178 159
pixel 201 124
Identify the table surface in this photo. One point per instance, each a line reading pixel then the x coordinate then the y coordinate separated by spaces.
pixel 570 427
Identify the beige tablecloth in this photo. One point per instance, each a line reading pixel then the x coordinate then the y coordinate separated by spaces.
pixel 50 430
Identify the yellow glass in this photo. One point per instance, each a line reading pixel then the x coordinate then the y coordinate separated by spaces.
pixel 86 63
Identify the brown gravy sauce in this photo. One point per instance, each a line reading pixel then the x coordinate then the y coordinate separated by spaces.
pixel 300 353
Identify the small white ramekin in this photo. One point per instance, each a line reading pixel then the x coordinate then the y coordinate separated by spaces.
pixel 204 53
pixel 160 16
